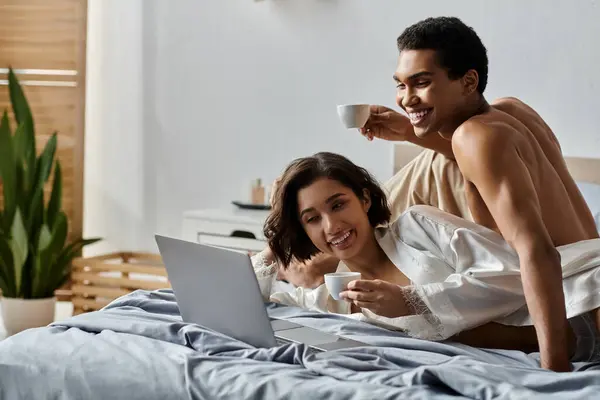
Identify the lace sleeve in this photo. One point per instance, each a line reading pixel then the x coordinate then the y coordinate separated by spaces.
pixel 422 324
pixel 262 266
pixel 266 273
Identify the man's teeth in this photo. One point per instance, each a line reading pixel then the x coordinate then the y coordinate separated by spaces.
pixel 341 239
pixel 415 116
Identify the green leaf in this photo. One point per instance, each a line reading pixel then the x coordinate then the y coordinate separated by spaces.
pixel 18 246
pixel 59 234
pixel 24 119
pixel 3 282
pixel 19 101
pixel 49 252
pixel 44 162
pixel 54 205
pixel 61 267
pixel 27 274
pixel 20 143
pixel 7 265
pixel 45 238
pixel 22 200
pixel 3 286
pixel 35 219
pixel 24 146
pixel 7 171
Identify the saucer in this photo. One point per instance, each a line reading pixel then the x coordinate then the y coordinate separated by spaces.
pixel 250 206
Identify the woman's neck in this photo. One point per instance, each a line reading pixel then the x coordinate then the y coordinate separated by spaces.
pixel 369 261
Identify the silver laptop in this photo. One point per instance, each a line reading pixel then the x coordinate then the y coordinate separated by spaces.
pixel 217 288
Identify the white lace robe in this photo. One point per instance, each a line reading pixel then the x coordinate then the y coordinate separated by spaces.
pixel 463 275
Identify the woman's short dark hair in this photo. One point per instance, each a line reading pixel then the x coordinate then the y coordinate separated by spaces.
pixel 284 231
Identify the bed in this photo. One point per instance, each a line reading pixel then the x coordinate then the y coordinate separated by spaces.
pixel 138 348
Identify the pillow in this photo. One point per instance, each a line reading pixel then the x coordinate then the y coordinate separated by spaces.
pixel 432 179
pixel 591 194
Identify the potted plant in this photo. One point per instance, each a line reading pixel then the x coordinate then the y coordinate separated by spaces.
pixel 35 258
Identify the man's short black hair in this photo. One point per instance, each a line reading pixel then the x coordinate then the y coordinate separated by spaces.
pixel 458 47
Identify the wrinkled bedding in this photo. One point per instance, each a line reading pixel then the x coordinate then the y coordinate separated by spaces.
pixel 138 348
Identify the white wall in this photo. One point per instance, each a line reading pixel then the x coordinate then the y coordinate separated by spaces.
pixel 115 196
pixel 200 97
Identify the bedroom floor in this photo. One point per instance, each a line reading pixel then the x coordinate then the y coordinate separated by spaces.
pixel 63 310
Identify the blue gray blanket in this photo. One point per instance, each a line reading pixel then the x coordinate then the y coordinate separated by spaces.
pixel 138 348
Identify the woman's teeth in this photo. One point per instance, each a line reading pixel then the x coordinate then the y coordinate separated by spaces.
pixel 341 240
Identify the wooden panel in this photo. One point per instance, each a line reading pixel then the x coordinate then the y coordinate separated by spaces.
pixel 41 34
pixel 95 281
pixel 54 109
pixel 39 38
pixel 125 268
pixel 87 291
pixel 128 283
pixel 88 305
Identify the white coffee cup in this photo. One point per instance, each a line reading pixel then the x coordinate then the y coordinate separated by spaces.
pixel 337 282
pixel 354 115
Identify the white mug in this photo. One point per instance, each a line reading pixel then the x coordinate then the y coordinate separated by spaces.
pixel 354 115
pixel 337 282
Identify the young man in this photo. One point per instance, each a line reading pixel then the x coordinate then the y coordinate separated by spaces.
pixel 517 182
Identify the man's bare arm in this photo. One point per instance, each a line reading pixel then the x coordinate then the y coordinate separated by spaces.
pixel 387 124
pixel 493 165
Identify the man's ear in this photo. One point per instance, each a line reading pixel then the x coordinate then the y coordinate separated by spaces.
pixel 366 200
pixel 470 81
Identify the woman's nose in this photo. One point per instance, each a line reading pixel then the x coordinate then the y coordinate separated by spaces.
pixel 330 224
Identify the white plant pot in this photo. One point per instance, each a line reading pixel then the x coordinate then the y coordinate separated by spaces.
pixel 21 314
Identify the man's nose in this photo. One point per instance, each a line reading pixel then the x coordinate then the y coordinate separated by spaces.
pixel 409 99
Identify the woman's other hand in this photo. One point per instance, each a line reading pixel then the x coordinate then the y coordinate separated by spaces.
pixel 381 297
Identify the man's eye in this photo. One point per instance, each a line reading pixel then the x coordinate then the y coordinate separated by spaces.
pixel 422 83
pixel 401 86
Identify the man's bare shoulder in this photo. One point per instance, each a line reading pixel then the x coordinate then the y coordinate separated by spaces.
pixel 517 109
pixel 482 135
pixel 483 145
pixel 509 102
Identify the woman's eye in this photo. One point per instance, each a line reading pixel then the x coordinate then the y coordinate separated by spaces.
pixel 311 219
pixel 337 206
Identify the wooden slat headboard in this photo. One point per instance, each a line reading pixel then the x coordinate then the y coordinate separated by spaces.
pixel 582 169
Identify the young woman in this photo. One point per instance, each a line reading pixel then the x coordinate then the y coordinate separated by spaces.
pixel 431 274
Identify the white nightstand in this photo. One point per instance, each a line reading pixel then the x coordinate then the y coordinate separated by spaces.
pixel 231 228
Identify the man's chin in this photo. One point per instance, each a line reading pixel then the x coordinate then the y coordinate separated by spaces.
pixel 423 132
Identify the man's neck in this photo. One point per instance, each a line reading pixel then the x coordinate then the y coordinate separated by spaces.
pixel 472 108
pixel 369 261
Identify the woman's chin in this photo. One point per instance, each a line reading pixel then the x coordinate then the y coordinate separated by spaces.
pixel 346 249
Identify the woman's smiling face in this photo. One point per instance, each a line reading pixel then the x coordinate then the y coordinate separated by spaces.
pixel 335 218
